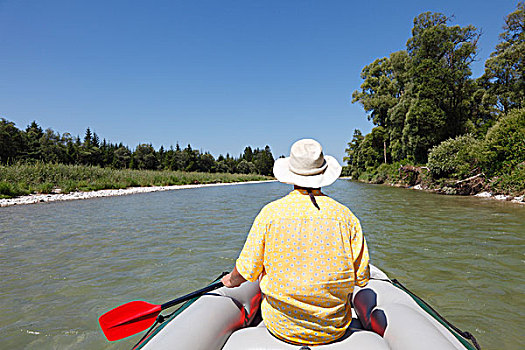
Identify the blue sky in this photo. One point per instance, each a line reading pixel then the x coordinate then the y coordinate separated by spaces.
pixel 220 75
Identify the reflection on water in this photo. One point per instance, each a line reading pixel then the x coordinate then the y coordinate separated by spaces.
pixel 65 263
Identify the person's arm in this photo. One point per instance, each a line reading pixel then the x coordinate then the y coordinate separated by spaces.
pixel 360 254
pixel 249 265
pixel 233 279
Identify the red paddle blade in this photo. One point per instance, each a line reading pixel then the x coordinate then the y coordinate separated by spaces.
pixel 128 319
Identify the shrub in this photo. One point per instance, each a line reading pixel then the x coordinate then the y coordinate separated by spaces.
pixel 387 173
pixel 511 183
pixel 347 171
pixel 459 157
pixel 505 143
pixel 8 190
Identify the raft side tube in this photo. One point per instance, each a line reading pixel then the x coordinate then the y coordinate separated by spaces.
pixel 208 322
pixel 407 325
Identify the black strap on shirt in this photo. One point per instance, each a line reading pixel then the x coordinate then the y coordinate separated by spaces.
pixel 310 193
pixel 312 198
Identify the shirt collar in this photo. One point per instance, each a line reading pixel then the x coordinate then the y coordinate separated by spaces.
pixel 316 192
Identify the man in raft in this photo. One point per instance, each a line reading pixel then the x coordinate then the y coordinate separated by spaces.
pixel 308 251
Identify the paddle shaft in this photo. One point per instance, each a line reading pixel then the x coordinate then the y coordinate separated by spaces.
pixel 191 295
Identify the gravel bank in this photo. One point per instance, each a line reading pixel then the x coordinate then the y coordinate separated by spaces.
pixel 41 198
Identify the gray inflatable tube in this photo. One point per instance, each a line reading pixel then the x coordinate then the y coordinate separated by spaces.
pixel 389 319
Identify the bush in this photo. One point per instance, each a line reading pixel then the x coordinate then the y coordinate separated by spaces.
pixel 388 173
pixel 505 143
pixel 9 190
pixel 512 183
pixel 459 157
pixel 346 171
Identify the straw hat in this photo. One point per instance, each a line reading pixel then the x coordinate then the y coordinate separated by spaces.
pixel 307 166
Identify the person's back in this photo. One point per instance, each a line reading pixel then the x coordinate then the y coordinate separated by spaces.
pixel 311 260
pixel 309 251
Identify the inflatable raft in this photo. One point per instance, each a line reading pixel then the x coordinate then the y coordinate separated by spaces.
pixel 385 315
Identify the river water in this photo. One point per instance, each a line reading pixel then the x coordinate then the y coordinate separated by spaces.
pixel 63 264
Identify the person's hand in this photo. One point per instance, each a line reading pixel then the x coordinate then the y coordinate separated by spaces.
pixel 233 279
pixel 227 281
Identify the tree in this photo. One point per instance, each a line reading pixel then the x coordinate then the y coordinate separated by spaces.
pixel 352 153
pixel 383 85
pixel 206 163
pixel 11 141
pixel 222 166
pixel 161 155
pixel 441 87
pixel 90 153
pixel 371 149
pixel 52 148
pixel 423 95
pixel 122 157
pixel 189 159
pixel 71 148
pixel 504 77
pixel 248 154
pixel 33 134
pixel 144 157
pixel 245 167
pixel 263 161
pixel 88 138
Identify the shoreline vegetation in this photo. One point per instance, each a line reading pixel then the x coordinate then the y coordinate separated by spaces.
pixel 435 126
pixel 473 186
pixel 32 183
pixel 54 197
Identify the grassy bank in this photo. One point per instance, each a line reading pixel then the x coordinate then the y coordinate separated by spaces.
pixel 23 179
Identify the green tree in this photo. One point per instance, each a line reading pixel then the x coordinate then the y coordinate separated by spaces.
pixel 263 161
pixel 423 123
pixel 89 153
pixel 122 157
pixel 222 166
pixel 33 134
pixel 189 159
pixel 71 148
pixel 12 143
pixel 144 157
pixel 504 76
pixel 161 155
pixel 371 149
pixel 245 167
pixel 206 163
pixel 88 137
pixel 248 154
pixel 177 159
pixel 51 147
pixel 384 83
pixel 352 154
pixel 441 87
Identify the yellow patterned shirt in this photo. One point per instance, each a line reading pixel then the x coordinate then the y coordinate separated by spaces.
pixel 310 260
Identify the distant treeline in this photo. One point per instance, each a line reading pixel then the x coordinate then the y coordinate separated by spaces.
pixel 430 114
pixel 36 145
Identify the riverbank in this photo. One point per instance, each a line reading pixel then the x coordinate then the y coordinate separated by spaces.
pixel 483 194
pixel 519 199
pixel 503 187
pixel 43 179
pixel 54 197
